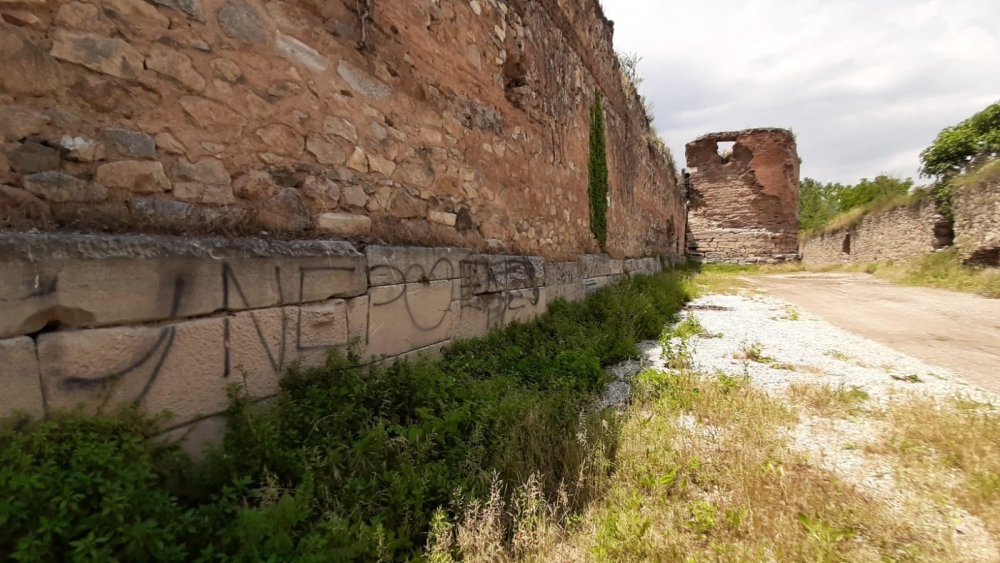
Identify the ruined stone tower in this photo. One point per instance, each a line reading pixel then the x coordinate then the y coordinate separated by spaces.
pixel 743 204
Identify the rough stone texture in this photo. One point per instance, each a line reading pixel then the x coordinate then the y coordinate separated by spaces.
pixel 902 233
pixel 743 206
pixel 343 224
pixel 455 123
pixel 405 317
pixel 484 273
pixel 71 281
pixel 22 390
pixel 391 265
pixel 976 209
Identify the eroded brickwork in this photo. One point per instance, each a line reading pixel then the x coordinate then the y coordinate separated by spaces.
pixel 743 203
pixel 902 233
pixel 458 122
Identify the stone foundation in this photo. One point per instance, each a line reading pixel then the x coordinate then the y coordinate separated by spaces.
pixel 977 222
pixel 903 233
pixel 169 323
pixel 740 246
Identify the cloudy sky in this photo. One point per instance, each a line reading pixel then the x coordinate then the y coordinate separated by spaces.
pixel 865 85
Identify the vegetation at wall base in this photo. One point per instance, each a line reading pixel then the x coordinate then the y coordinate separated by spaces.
pixel 347 462
pixel 597 174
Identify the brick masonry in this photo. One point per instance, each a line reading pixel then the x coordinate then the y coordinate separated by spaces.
pixel 976 208
pixel 168 323
pixel 901 233
pixel 743 206
pixel 446 123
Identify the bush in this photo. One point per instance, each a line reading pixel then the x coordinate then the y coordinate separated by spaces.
pixel 347 462
pixel 597 178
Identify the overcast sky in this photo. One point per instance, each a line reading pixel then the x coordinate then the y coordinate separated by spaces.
pixel 865 85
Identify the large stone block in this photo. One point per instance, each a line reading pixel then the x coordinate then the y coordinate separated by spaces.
pixel 22 390
pixel 186 368
pixel 570 292
pixel 562 273
pixel 406 317
pixel 595 265
pixel 391 265
pixel 481 314
pixel 89 281
pixel 488 273
pixel 591 285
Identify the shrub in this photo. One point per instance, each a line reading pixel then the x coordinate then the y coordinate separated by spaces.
pixel 597 168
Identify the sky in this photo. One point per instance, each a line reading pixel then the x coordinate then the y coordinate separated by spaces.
pixel 865 85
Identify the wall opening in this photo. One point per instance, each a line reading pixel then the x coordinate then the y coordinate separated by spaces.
pixel 846 246
pixel 725 150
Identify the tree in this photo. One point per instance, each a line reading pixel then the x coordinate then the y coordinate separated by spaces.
pixel 597 174
pixel 882 188
pixel 818 204
pixel 960 148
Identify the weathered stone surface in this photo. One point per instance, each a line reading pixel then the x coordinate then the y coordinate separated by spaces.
pixel 562 273
pixel 143 18
pixel 281 139
pixel 27 70
pixel 405 317
pixel 571 292
pixel 19 379
pixel 481 314
pixel 81 149
pixel 242 21
pixel 256 185
pixel 198 438
pixel 391 265
pixel 189 7
pixel 300 53
pixel 976 208
pixel 442 218
pixel 343 224
pixel 17 204
pixel 59 187
pixel 138 176
pixel 323 192
pixel 405 206
pixel 30 157
pixel 362 82
pixel 353 196
pixel 595 265
pixel 176 65
pixel 488 273
pixel 103 280
pixel 285 212
pixel 82 17
pixel 165 212
pixel 340 127
pixel 103 54
pixel 591 285
pixel 129 143
pixel 213 117
pixel 16 123
pixel 358 161
pixel 902 233
pixel 328 149
pixel 357 323
pixel 205 181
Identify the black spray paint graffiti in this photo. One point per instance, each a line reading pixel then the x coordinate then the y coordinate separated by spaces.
pixel 442 269
pixel 156 355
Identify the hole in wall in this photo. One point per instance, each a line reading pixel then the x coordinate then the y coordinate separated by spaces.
pixel 846 246
pixel 725 150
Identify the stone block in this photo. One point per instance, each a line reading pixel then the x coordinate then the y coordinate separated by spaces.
pixel 406 317
pixel 595 265
pixel 138 176
pixel 197 438
pixel 59 187
pixel 562 273
pixel 343 224
pixel 90 281
pixel 481 314
pixel 357 322
pixel 19 378
pixel 617 267
pixel 490 273
pixel 570 292
pixel 391 265
pixel 591 285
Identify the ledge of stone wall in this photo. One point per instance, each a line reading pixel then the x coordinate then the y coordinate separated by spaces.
pixel 977 222
pixel 742 246
pixel 902 233
pixel 168 323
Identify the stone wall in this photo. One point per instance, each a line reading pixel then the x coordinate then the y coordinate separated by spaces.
pixel 743 206
pixel 902 233
pixel 168 323
pixel 976 208
pixel 438 122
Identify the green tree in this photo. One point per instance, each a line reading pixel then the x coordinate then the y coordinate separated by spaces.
pixel 882 188
pixel 818 204
pixel 960 148
pixel 597 168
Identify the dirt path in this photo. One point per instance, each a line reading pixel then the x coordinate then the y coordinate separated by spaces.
pixel 951 330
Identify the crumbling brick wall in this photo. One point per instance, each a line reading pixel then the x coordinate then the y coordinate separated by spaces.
pixel 743 206
pixel 452 122
pixel 976 208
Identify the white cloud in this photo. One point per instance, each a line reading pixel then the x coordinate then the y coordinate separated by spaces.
pixel 865 84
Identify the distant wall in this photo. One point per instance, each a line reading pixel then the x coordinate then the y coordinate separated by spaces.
pixel 445 123
pixel 167 323
pixel 976 208
pixel 743 206
pixel 901 233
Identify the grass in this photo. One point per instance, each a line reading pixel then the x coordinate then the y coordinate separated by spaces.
pixel 828 400
pixel 989 172
pixel 703 474
pixel 347 463
pixel 949 448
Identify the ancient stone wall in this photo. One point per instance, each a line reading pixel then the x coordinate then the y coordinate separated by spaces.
pixel 168 323
pixel 437 122
pixel 976 208
pixel 902 233
pixel 743 205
